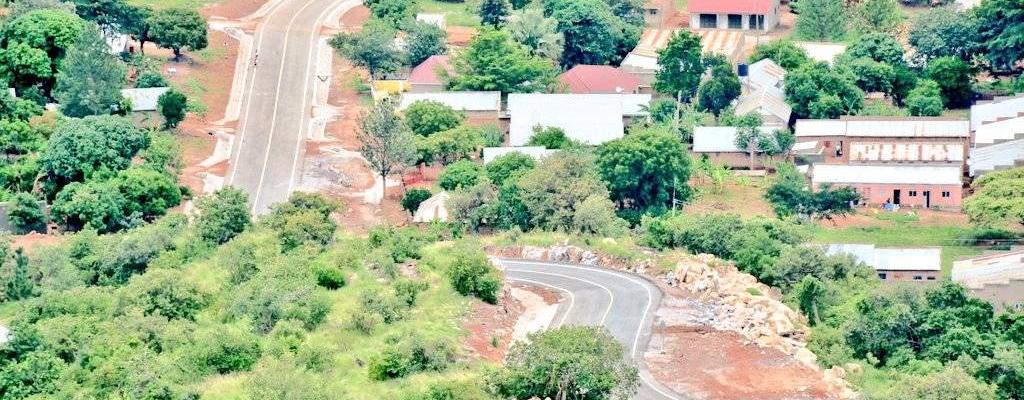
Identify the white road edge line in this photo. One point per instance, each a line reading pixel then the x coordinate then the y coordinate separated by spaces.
pixel 636 338
pixel 572 298
pixel 611 297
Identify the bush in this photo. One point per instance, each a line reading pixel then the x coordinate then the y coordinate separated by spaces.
pixel 427 117
pixel 167 292
pixel 172 106
pixel 551 138
pixel 509 167
pixel 26 215
pixel 151 79
pixel 471 274
pixel 460 174
pixel 223 215
pixel 410 355
pixel 227 350
pixel 329 276
pixel 413 198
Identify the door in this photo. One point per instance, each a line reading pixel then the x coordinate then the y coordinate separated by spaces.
pixel 927 199
pixel 896 196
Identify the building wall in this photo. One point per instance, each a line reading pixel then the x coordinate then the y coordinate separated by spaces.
pixel 1003 296
pixel 733 160
pixel 831 143
pixel 771 20
pixel 658 12
pixel 909 275
pixel 425 88
pixel 877 194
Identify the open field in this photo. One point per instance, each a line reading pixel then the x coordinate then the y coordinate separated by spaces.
pixel 456 13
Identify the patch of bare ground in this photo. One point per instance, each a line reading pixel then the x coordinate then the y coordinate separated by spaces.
pixel 925 217
pixel 723 365
pixel 490 327
pixel 33 240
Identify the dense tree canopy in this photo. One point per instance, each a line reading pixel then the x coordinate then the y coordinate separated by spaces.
pixel 82 148
pixel 424 39
pixel 90 78
pixel 372 48
pixel 681 66
pixel 529 27
pixel 942 32
pixel 824 20
pixel 1000 23
pixel 427 117
pixel 817 91
pixel 926 99
pixel 593 33
pixel 954 77
pixel 783 52
pixel 494 62
pixel 178 29
pixel 998 199
pixel 645 170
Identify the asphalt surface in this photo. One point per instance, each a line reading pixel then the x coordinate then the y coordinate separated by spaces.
pixel 622 303
pixel 277 101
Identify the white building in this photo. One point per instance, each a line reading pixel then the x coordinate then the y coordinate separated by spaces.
pixel 144 99
pixel 750 15
pixel 895 264
pixel 461 101
pixel 588 118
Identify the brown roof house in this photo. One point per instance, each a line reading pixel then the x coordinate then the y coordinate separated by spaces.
pixel 598 79
pixel 748 15
pixel 642 62
pixel 426 77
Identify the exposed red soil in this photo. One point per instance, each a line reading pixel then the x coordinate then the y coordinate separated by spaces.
pixel 490 327
pixel 355 18
pixel 33 240
pixel 460 35
pixel 232 9
pixel 709 364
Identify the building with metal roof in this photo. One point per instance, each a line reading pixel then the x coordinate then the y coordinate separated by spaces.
pixel 144 99
pixel 462 101
pixel 895 264
pixel 589 118
pixel 596 79
pixel 997 278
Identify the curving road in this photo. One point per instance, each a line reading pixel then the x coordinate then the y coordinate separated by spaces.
pixel 621 302
pixel 278 100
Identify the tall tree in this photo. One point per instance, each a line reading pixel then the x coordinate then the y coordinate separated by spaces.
pixel 941 32
pixel 388 145
pixel 681 66
pixel 817 91
pixel 135 23
pixel 90 79
pixel 925 100
pixel 783 52
pixel 373 48
pixel 223 215
pixel 494 12
pixel 719 90
pixel 52 31
pixel 878 15
pixel 539 34
pixel 494 62
pixel 821 20
pixel 645 170
pixel 878 46
pixel 954 77
pixel 1000 25
pixel 424 39
pixel 108 14
pixel 177 29
pixel 592 32
pixel 19 286
pixel 749 135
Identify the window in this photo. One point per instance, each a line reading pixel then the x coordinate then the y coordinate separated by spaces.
pixel 917 277
pixel 931 278
pixel 881 276
pixel 756 22
pixel 913 193
pixel 945 194
pixel 653 11
pixel 735 21
pixel 709 21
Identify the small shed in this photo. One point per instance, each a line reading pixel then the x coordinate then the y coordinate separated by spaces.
pixel 144 99
pixel 426 77
pixel 433 209
pixel 895 264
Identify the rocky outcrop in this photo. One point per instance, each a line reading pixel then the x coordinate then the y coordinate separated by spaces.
pixel 736 301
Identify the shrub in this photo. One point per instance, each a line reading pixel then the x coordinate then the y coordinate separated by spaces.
pixel 167 292
pixel 227 350
pixel 151 79
pixel 509 167
pixel 413 198
pixel 410 355
pixel 427 117
pixel 460 174
pixel 329 276
pixel 172 106
pixel 551 138
pixel 471 274
pixel 223 215
pixel 26 215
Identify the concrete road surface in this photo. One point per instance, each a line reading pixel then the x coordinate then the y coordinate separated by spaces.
pixel 621 302
pixel 277 101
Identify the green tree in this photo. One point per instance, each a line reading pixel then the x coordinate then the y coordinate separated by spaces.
pixel 167 292
pixel 592 32
pixel 494 62
pixel 134 22
pixel 82 148
pixel 452 145
pixel 784 52
pixel 878 46
pixel 566 362
pixel 413 198
pixel 719 90
pixel 178 29
pixel 151 79
pixel 871 75
pixel 95 204
pixel 681 66
pixel 878 15
pixel 26 215
pixel 941 32
pixel 53 31
pixel 549 202
pixel 811 296
pixel 427 117
pixel 749 135
pixel 460 174
pixel 304 219
pixel 998 199
pixel 387 143
pixel 645 170
pixel 90 79
pixel 148 192
pixel 19 285
pixel 471 274
pixel 951 383
pixel 954 77
pixel 424 39
pixel 824 20
pixel 108 14
pixel 23 65
pixel 539 34
pixel 1000 23
pixel 494 12
pixel 172 106
pixel 553 138
pixel 393 12
pixel 372 48
pixel 223 215
pixel 817 91
pixel 509 167
pixel 926 99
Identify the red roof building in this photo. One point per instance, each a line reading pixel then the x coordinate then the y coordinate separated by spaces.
pixel 755 15
pixel 426 77
pixel 598 79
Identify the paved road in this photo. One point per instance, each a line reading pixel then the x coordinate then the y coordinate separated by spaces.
pixel 621 302
pixel 277 102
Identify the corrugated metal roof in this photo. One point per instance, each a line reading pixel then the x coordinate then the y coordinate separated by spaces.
pixel 983 113
pixel 821 51
pixel 996 268
pixel 464 101
pixel 144 99
pixel 536 152
pixel 903 127
pixel 768 102
pixel 765 73
pixel 891 259
pixel 589 118
pixel 645 54
pixel 718 139
pixel 427 73
pixel 886 174
pixel 730 6
pixel 584 79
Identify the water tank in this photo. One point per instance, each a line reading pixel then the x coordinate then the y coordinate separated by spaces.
pixel 742 70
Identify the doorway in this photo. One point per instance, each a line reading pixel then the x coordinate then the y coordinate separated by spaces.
pixel 896 196
pixel 927 199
